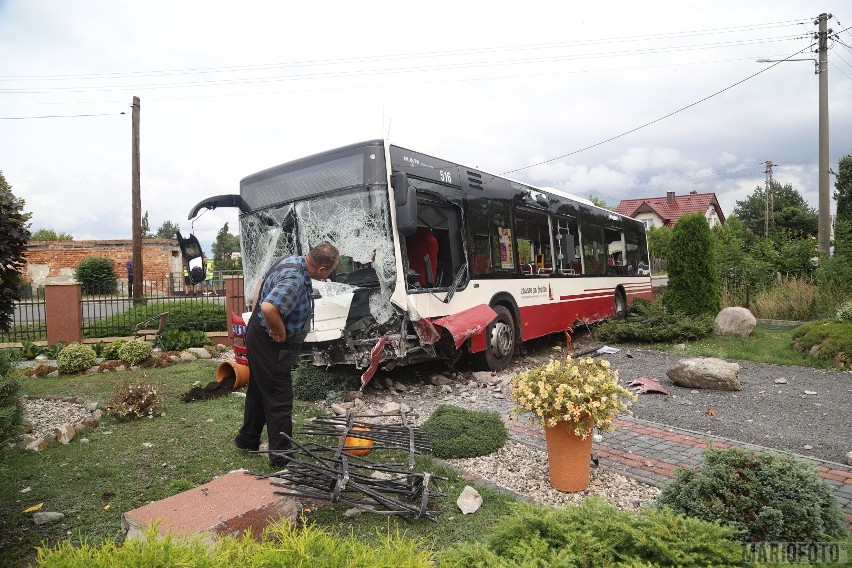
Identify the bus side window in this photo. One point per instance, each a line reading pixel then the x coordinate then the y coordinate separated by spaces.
pixel 533 238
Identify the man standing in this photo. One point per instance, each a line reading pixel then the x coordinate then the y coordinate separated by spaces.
pixel 281 317
pixel 128 266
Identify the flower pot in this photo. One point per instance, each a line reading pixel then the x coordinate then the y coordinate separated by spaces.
pixel 228 369
pixel 568 457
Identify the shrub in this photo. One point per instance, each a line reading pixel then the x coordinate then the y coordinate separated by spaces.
pixel 596 534
pixel 315 383
pixel 6 356
pixel 764 497
pixel 130 402
pixel 96 275
pixel 111 350
pixel 53 351
pixel 75 357
pixel 833 340
pixel 790 298
pixel 178 340
pixel 834 280
pixel 693 288
pixel 844 312
pixel 11 414
pixel 460 433
pixel 651 322
pixel 134 352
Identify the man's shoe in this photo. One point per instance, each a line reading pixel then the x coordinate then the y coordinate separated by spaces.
pixel 244 446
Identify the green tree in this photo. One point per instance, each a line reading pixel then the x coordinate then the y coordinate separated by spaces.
pixel 790 211
pixel 146 227
pixel 659 241
pixel 50 235
pixel 14 235
pixel 693 287
pixel 167 230
pixel 225 244
pixel 843 220
pixel 599 202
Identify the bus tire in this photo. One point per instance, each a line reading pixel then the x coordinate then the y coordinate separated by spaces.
pixel 620 305
pixel 499 341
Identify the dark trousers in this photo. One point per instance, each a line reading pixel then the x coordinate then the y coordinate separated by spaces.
pixel 269 396
pixel 130 287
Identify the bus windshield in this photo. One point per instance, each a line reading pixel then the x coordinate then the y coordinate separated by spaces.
pixel 355 220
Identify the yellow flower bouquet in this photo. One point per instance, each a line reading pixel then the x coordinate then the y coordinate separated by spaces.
pixel 584 392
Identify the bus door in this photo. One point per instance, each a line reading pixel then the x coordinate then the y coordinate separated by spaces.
pixel 434 252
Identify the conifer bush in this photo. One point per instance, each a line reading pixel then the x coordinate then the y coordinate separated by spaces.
pixel 10 413
pixel 75 358
pixel 651 322
pixel 693 287
pixel 763 496
pixel 134 352
pixel 461 433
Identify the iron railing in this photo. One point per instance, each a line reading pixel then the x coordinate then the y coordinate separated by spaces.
pixel 29 322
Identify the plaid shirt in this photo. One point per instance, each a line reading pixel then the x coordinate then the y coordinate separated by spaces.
pixel 290 290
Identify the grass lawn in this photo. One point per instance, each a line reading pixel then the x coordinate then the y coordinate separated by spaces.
pixel 126 465
pixel 765 345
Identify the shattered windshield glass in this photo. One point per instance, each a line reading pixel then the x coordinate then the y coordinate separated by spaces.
pixel 357 222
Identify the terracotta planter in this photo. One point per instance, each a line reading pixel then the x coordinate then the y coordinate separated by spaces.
pixel 568 457
pixel 228 369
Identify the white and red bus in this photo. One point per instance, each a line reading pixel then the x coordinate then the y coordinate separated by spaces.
pixel 437 259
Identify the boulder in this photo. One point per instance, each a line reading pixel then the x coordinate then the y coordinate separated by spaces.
pixel 705 373
pixel 734 321
pixel 469 500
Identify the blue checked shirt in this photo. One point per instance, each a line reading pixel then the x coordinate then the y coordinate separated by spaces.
pixel 290 290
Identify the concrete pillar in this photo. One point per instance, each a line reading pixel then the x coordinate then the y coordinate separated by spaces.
pixel 63 313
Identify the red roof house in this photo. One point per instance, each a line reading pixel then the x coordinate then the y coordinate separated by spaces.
pixel 665 211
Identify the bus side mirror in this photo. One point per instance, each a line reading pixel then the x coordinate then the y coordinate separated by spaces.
pixel 406 204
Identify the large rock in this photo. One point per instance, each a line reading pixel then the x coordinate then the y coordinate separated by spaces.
pixel 705 373
pixel 734 321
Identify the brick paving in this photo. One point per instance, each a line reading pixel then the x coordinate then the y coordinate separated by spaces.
pixel 651 452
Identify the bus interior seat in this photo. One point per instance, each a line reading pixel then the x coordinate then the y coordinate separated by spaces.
pixel 422 249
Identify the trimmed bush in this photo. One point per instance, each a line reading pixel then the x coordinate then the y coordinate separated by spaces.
pixel 96 275
pixel 764 497
pixel 693 288
pixel 134 352
pixel 649 322
pixel 316 383
pixel 596 534
pixel 111 350
pixel 75 357
pixel 461 433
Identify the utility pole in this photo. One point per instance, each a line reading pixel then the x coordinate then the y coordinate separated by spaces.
pixel 137 205
pixel 824 201
pixel 768 199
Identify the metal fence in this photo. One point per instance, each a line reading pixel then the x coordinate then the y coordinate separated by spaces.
pixel 28 320
pixel 113 312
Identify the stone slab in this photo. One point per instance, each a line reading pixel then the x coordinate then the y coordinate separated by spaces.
pixel 227 505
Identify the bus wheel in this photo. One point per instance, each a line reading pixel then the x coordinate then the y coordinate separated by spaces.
pixel 620 305
pixel 499 341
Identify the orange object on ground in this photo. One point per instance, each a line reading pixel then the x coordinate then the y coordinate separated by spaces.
pixel 355 446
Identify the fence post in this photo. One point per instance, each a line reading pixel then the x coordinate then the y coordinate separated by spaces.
pixel 235 300
pixel 63 313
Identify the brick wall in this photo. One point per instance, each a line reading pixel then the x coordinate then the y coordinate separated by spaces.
pixel 50 262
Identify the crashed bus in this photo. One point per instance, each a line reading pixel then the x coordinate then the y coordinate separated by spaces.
pixel 437 259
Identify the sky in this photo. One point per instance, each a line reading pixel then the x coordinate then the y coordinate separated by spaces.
pixel 610 99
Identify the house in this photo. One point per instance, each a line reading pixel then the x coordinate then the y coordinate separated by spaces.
pixel 665 211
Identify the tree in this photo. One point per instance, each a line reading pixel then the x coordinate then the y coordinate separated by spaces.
pixel 50 235
pixel 659 241
pixel 693 287
pixel 14 235
pixel 789 211
pixel 843 220
pixel 599 202
pixel 225 244
pixel 167 230
pixel 146 227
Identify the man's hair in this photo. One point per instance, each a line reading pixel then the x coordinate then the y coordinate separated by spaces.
pixel 324 254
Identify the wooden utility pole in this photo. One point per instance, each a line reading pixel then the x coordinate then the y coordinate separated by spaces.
pixel 824 192
pixel 770 207
pixel 137 207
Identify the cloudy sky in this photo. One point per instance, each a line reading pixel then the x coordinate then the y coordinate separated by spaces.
pixel 614 99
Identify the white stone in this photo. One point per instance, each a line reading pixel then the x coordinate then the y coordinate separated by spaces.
pixel 734 321
pixel 469 500
pixel 810 392
pixel 780 381
pixel 849 458
pixel 43 517
pixel 200 352
pixel 64 434
pixel 390 407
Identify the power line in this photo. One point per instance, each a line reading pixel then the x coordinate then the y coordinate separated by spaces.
pixel 59 116
pixel 729 87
